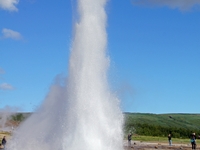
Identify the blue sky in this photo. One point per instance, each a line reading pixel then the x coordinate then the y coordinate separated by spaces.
pixel 154 47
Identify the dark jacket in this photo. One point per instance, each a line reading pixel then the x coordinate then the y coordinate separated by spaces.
pixel 193 138
pixel 3 141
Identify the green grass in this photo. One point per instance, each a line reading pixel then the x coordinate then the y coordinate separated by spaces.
pixel 189 121
pixel 178 120
pixel 159 139
pixel 146 124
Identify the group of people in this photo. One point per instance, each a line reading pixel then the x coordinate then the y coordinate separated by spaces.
pixel 192 140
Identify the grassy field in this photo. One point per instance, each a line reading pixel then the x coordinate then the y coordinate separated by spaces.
pixel 179 125
pixel 154 139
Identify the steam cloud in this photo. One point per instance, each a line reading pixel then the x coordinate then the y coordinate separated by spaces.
pixel 180 4
pixel 5 114
pixel 8 33
pixel 9 5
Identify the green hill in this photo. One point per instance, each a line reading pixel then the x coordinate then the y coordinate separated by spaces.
pixel 180 125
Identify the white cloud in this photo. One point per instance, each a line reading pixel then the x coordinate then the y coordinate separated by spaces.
pixel 180 4
pixel 9 5
pixel 6 86
pixel 8 33
pixel 1 71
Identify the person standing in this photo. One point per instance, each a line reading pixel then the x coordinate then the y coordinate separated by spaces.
pixel 129 139
pixel 170 139
pixel 3 142
pixel 193 140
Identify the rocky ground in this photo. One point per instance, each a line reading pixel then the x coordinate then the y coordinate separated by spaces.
pixel 158 146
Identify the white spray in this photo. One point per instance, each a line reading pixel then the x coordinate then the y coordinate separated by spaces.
pixel 84 114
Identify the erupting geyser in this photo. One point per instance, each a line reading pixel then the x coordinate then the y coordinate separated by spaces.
pixel 82 113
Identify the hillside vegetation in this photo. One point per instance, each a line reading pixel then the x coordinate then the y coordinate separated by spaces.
pixel 145 124
pixel 179 125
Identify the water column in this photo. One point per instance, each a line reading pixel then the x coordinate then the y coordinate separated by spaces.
pixel 82 113
pixel 97 119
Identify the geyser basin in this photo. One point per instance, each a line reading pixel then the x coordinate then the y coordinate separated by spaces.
pixel 83 114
